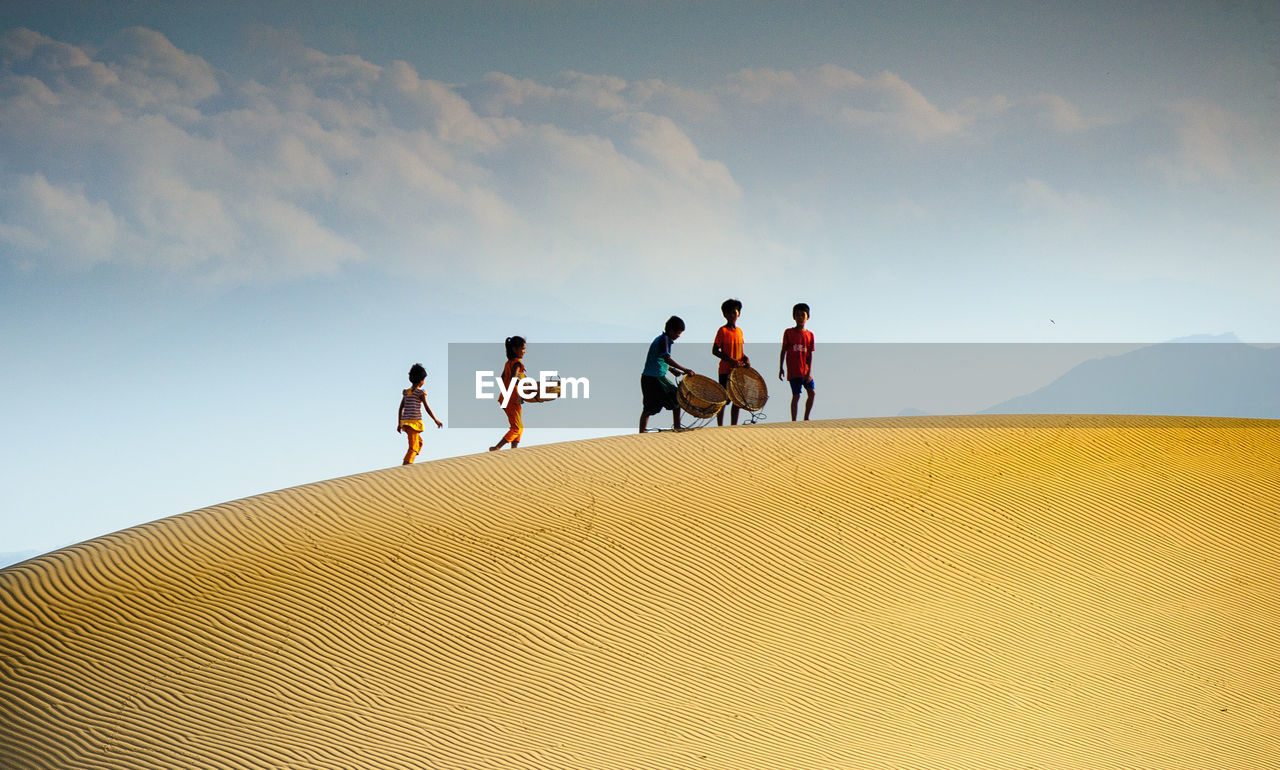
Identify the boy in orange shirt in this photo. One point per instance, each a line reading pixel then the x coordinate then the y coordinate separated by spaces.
pixel 409 416
pixel 797 352
pixel 728 347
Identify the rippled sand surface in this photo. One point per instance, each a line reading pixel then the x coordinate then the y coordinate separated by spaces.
pixel 1008 592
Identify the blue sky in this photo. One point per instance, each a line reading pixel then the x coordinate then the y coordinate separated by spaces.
pixel 226 232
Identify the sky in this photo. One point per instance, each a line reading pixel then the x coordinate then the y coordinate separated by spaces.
pixel 226 232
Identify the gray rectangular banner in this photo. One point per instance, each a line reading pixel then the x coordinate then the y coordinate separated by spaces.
pixel 601 381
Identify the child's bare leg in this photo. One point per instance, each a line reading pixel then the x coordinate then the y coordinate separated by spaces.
pixel 720 418
pixel 675 418
pixel 644 422
pixel 795 403
pixel 733 415
pixel 808 406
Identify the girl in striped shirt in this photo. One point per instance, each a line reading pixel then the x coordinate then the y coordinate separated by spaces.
pixel 409 416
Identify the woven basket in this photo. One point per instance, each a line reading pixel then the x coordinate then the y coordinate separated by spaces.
pixel 747 389
pixel 700 396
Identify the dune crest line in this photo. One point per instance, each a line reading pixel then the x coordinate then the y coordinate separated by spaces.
pixel 994 591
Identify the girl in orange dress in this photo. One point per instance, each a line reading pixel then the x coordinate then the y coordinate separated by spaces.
pixel 512 373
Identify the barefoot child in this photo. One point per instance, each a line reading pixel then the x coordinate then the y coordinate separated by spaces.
pixel 797 352
pixel 512 373
pixel 409 417
pixel 656 390
pixel 728 347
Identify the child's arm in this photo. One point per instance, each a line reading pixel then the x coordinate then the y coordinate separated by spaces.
pixel 782 356
pixel 399 427
pixel 427 407
pixel 671 362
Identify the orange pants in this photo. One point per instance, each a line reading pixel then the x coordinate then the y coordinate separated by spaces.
pixel 415 445
pixel 517 425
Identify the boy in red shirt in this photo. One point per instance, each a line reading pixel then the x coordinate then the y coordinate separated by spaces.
pixel 797 352
pixel 728 347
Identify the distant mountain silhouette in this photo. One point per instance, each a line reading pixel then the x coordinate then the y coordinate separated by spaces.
pixel 1228 337
pixel 1195 380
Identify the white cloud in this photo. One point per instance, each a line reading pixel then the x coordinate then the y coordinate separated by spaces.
pixel 333 159
pixel 765 86
pixel 279 229
pixel 57 220
pixel 153 72
pixel 578 98
pixel 884 103
pixel 1059 114
pixel 1212 143
pixel 142 154
pixel 1036 196
pixel 903 210
pixel 661 139
pixel 61 66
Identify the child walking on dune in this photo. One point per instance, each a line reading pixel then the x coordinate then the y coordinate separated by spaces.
pixel 512 374
pixel 409 416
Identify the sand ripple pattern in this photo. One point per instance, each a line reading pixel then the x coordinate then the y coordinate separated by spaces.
pixel 994 592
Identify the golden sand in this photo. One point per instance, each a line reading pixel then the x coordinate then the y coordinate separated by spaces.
pixel 995 592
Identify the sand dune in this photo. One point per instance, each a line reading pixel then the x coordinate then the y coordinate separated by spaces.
pixel 1045 592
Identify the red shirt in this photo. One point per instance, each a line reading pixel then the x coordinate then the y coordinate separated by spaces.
pixel 730 342
pixel 799 344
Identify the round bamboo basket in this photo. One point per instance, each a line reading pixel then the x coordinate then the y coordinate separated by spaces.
pixel 700 396
pixel 747 389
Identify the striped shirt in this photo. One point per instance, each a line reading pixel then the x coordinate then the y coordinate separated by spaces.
pixel 411 404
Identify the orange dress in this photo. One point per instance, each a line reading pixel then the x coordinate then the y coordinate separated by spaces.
pixel 512 373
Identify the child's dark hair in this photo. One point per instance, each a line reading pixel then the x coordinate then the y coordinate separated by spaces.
pixel 800 306
pixel 417 373
pixel 513 344
pixel 674 324
pixel 731 304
